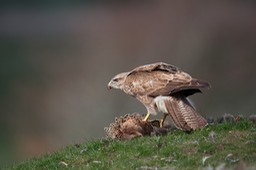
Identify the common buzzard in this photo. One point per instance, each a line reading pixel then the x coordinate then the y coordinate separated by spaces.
pixel 163 88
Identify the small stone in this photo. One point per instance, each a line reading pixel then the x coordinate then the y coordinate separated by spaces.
pixel 204 159
pixel 230 158
pixel 212 135
pixel 210 120
pixel 252 118
pixel 221 167
pixel 209 167
pixel 250 142
pixel 63 163
pixel 83 150
pixel 227 118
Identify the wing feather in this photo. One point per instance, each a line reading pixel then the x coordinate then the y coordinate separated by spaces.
pixel 162 79
pixel 154 67
pixel 187 88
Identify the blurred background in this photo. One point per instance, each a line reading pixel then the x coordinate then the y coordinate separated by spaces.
pixel 56 58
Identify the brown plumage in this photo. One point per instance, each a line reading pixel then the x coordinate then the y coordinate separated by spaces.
pixel 163 87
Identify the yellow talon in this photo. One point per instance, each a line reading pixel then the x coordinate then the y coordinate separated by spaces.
pixel 146 117
pixel 163 119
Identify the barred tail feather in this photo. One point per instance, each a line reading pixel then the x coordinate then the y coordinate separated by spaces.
pixel 192 117
pixel 182 113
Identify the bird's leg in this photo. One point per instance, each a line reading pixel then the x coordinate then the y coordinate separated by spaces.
pixel 146 117
pixel 163 119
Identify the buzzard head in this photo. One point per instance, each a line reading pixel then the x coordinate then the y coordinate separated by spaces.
pixel 117 82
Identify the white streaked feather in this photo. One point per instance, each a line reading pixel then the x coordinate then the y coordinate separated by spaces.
pixel 159 101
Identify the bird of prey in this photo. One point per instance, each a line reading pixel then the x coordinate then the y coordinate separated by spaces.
pixel 162 87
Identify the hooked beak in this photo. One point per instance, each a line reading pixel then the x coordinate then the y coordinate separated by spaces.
pixel 109 87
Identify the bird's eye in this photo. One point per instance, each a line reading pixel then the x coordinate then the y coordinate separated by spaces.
pixel 115 80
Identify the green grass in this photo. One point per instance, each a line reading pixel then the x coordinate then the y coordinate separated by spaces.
pixel 179 150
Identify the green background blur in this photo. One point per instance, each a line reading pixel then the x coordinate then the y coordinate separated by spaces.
pixel 56 58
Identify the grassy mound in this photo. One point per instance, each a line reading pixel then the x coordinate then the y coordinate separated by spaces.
pixel 222 145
